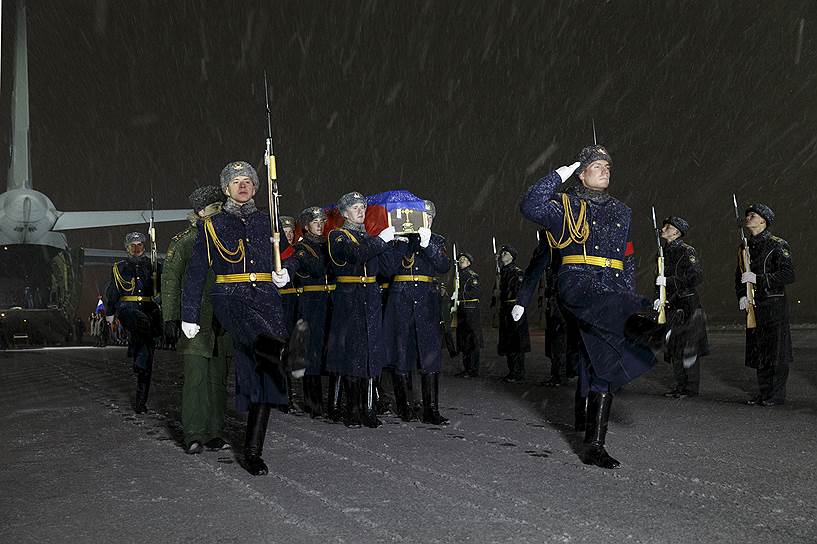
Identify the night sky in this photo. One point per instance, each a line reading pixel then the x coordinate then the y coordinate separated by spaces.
pixel 463 103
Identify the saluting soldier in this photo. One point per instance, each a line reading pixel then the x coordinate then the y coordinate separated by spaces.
pixel 308 266
pixel 235 244
pixel 688 341
pixel 768 345
pixel 131 297
pixel 204 393
pixel 596 283
pixel 355 349
pixel 411 323
pixel 469 327
pixel 514 338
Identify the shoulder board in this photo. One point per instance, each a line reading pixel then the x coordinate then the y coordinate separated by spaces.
pixel 778 240
pixel 334 235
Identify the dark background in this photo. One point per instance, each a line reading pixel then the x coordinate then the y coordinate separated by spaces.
pixel 463 103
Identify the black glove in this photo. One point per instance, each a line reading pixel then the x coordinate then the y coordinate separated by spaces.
pixel 172 331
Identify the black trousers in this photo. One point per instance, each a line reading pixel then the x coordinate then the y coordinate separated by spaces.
pixel 686 379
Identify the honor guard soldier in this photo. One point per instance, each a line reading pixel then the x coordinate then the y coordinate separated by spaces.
pixel 411 324
pixel 596 284
pixel 688 341
pixel 542 267
pixel 131 298
pixel 768 345
pixel 289 294
pixel 355 349
pixel 514 338
pixel 469 327
pixel 235 244
pixel 204 393
pixel 308 266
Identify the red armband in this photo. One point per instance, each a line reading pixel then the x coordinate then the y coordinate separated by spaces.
pixel 629 250
pixel 287 253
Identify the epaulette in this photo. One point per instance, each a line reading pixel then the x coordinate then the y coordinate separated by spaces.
pixel 778 240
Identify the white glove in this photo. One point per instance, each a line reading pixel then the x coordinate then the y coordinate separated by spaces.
pixel 656 304
pixel 387 234
pixel 567 171
pixel 743 303
pixel 425 236
pixel 280 278
pixel 661 280
pixel 190 330
pixel 748 277
pixel 517 311
pixel 109 319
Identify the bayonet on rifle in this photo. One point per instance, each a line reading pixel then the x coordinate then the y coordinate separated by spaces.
pixel 272 186
pixel 662 289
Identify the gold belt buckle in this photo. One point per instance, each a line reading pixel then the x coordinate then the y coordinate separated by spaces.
pixel 252 276
pixel 607 263
pixel 363 279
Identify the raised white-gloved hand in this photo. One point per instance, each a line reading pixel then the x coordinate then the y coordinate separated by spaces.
pixel 656 304
pixel 517 311
pixel 748 277
pixel 743 303
pixel 567 171
pixel 661 280
pixel 387 234
pixel 280 278
pixel 425 236
pixel 109 319
pixel 190 330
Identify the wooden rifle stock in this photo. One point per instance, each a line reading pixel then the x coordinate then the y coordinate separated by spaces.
pixel 751 321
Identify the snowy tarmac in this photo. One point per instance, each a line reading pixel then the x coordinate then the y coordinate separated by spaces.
pixel 80 467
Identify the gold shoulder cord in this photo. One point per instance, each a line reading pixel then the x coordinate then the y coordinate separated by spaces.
pixel 329 245
pixel 226 254
pixel 311 252
pixel 578 230
pixel 126 286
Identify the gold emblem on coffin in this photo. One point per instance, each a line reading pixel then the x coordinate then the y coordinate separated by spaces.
pixel 407 221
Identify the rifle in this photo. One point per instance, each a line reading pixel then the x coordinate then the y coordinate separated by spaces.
pixel 456 294
pixel 745 261
pixel 662 289
pixel 153 256
pixel 272 186
pixel 495 302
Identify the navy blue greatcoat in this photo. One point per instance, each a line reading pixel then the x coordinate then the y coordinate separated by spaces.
pixel 245 309
pixel 411 323
pixel 469 323
pixel 598 299
pixel 355 347
pixel 308 267
pixel 514 336
pixel 132 277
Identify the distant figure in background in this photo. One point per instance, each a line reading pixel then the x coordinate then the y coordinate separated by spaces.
pixel 514 338
pixel 469 327
pixel 130 296
pixel 204 393
pixel 768 346
pixel 688 341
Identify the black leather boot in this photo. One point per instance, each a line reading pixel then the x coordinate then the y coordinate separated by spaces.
pixel 316 396
pixel 369 404
pixel 431 400
pixel 335 404
pixel 351 388
pixel 257 419
pixel 142 390
pixel 594 453
pixel 403 407
pixel 581 406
